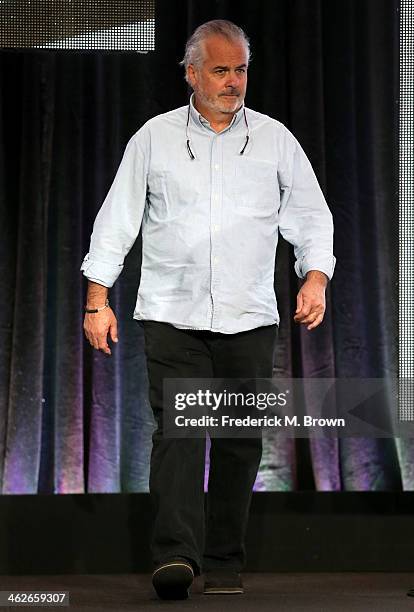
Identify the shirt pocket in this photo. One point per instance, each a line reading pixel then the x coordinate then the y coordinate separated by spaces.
pixel 255 184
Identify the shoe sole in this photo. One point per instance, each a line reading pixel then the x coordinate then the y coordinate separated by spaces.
pixel 223 591
pixel 172 580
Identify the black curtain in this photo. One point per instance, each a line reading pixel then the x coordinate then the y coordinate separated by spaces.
pixel 73 420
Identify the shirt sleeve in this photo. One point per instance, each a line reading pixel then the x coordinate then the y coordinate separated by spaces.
pixel 304 216
pixel 118 221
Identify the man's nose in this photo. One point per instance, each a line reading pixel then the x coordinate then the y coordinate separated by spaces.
pixel 232 80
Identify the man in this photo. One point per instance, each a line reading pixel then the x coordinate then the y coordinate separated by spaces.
pixel 211 183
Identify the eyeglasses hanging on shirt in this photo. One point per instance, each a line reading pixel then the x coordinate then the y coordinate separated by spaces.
pixel 187 133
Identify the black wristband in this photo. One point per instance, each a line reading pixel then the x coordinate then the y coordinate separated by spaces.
pixel 94 310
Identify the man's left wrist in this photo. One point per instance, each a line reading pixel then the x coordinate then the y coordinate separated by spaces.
pixel 318 276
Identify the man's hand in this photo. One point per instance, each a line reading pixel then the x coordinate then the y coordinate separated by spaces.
pixel 310 301
pixel 98 325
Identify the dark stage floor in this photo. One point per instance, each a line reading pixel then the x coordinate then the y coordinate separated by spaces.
pixel 350 592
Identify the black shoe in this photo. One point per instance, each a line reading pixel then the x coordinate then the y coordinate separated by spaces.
pixel 223 581
pixel 172 579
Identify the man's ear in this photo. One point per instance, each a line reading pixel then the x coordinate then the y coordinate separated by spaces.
pixel 191 75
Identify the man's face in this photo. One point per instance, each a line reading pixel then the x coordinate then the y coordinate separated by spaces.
pixel 220 82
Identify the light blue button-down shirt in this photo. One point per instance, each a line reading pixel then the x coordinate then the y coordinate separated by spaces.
pixel 210 224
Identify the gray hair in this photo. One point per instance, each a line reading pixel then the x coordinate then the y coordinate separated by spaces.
pixel 194 49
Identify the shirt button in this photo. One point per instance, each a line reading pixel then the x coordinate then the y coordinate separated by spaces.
pixel 215 196
pixel 216 228
pixel 216 260
pixel 216 167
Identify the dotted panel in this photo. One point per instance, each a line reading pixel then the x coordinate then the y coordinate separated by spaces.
pixel 74 24
pixel 406 217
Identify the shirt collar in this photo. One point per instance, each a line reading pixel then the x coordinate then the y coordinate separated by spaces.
pixel 200 120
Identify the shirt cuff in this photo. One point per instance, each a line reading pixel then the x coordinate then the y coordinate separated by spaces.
pixel 100 272
pixel 323 263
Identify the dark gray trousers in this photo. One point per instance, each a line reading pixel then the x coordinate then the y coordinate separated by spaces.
pixel 211 535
